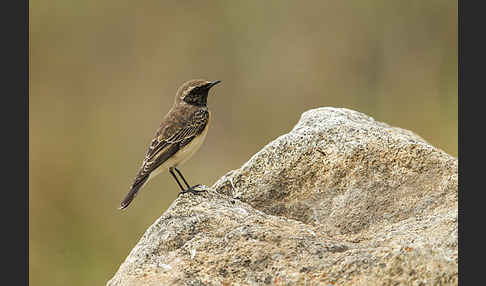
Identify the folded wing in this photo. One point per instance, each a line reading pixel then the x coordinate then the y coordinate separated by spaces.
pixel 163 147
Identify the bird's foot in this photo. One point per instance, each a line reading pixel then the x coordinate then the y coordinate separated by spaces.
pixel 192 190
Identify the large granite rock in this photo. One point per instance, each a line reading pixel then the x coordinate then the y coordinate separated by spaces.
pixel 341 200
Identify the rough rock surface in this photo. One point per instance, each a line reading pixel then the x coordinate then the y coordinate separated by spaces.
pixel 340 200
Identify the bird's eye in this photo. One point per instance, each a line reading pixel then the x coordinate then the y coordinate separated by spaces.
pixel 195 90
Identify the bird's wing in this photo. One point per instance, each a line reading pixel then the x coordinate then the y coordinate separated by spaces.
pixel 190 128
pixel 164 146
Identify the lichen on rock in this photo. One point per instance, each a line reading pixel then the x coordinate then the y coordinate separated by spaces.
pixel 341 199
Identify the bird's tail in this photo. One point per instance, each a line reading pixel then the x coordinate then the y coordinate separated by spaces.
pixel 132 193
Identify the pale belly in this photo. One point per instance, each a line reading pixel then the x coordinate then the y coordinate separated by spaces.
pixel 182 155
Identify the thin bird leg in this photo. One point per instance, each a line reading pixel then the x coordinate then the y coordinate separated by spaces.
pixel 180 174
pixel 171 170
pixel 189 188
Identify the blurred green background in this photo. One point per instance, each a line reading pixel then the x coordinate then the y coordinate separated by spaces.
pixel 103 73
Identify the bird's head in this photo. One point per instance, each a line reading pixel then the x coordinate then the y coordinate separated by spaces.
pixel 195 92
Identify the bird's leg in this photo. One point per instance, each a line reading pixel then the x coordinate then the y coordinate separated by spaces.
pixel 180 175
pixel 171 170
pixel 189 188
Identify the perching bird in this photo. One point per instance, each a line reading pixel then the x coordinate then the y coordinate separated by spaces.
pixel 181 133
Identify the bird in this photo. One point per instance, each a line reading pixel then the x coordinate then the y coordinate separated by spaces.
pixel 180 134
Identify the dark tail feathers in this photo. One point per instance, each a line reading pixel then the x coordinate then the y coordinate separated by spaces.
pixel 131 195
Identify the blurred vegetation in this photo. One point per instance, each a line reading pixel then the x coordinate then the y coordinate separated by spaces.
pixel 103 73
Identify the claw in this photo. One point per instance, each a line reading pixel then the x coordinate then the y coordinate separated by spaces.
pixel 192 190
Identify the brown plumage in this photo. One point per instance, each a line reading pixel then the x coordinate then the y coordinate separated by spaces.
pixel 179 136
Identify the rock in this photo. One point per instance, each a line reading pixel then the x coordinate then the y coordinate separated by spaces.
pixel 340 200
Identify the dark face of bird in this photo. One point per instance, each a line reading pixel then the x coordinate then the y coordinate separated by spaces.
pixel 195 92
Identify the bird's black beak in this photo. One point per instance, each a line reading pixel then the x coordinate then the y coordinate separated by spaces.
pixel 213 83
